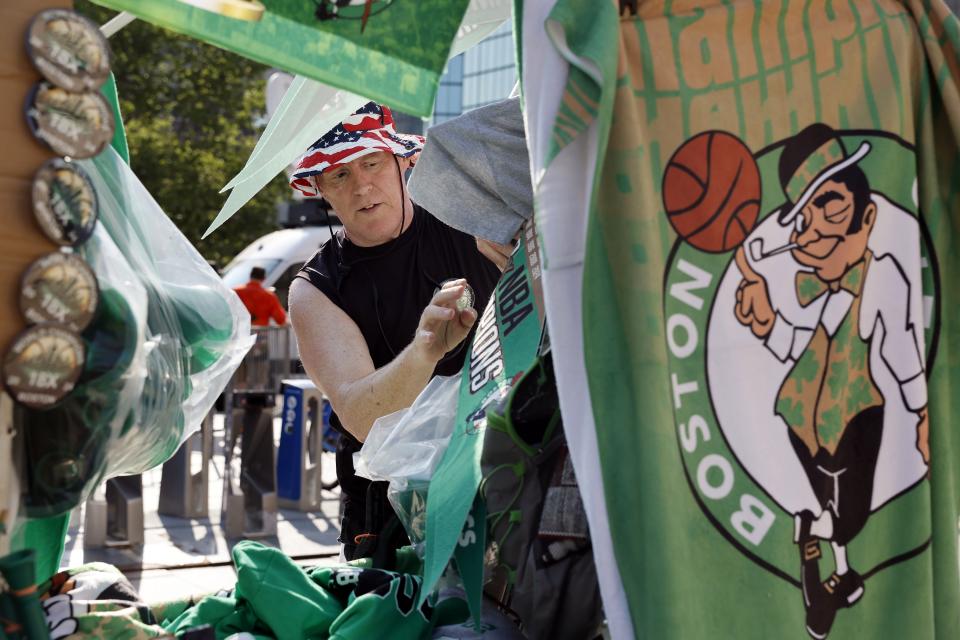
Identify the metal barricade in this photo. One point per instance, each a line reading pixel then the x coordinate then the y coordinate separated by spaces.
pixel 249 506
pixel 183 489
pixel 115 518
pixel 269 360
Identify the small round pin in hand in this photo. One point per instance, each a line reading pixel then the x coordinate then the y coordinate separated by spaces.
pixel 466 299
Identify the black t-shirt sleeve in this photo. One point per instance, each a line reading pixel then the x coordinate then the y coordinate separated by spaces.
pixel 319 272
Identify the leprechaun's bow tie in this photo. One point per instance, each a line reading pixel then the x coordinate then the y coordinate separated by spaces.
pixel 810 286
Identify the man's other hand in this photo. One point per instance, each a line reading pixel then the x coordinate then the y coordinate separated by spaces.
pixel 442 327
pixel 498 254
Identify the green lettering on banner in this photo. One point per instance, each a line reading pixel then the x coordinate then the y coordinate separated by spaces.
pixel 505 344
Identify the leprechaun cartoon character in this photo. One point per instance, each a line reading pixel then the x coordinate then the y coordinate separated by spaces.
pixel 851 318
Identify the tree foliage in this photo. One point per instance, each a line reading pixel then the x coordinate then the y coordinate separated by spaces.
pixel 193 114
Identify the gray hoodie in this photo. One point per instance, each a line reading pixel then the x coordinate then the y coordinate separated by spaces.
pixel 474 172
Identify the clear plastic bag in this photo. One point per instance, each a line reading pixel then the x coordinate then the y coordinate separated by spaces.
pixel 408 444
pixel 406 447
pixel 167 336
pixel 410 505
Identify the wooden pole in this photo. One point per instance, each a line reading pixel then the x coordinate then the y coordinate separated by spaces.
pixel 21 240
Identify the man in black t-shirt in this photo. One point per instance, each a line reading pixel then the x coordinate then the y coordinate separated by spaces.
pixel 375 310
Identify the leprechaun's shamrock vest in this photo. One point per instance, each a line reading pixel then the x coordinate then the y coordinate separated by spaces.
pixel 831 382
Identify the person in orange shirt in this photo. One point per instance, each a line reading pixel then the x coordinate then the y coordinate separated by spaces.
pixel 261 303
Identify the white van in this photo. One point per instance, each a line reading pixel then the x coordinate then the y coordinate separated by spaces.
pixel 281 254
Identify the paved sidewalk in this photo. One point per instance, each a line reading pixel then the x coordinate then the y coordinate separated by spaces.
pixel 182 557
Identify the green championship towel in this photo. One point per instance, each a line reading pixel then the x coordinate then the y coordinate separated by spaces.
pixel 768 322
pixel 504 346
pixel 396 55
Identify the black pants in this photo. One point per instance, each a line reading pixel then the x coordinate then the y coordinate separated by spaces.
pixel 366 509
pixel 843 482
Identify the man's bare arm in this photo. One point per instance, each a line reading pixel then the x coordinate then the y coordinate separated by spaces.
pixel 336 357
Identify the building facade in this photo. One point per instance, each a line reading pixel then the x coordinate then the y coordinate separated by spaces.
pixel 481 75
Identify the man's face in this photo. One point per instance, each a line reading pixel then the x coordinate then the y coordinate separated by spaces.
pixel 821 232
pixel 367 196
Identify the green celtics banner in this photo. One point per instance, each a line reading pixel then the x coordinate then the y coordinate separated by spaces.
pixel 768 300
pixel 504 346
pixel 392 51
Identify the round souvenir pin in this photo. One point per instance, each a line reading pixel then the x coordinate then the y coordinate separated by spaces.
pixel 77 125
pixel 69 50
pixel 43 365
pixel 60 288
pixel 466 299
pixel 64 202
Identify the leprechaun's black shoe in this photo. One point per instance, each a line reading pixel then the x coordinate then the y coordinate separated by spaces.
pixel 846 589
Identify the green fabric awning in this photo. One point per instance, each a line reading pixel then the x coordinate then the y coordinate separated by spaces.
pixel 397 59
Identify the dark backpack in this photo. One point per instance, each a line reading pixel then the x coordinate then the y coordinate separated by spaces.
pixel 539 560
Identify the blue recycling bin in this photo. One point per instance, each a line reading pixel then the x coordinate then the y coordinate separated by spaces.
pixel 297 478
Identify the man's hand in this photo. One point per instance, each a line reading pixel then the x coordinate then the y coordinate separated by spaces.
pixel 498 254
pixel 923 436
pixel 442 327
pixel 753 307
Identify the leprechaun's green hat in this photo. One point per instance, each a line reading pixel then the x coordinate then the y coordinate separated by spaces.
pixel 809 159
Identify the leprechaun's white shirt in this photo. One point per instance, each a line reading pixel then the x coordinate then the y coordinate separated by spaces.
pixel 884 323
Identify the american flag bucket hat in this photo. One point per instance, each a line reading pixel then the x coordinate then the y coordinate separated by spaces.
pixel 368 130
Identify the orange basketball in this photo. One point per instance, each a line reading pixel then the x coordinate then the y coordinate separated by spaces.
pixel 711 191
